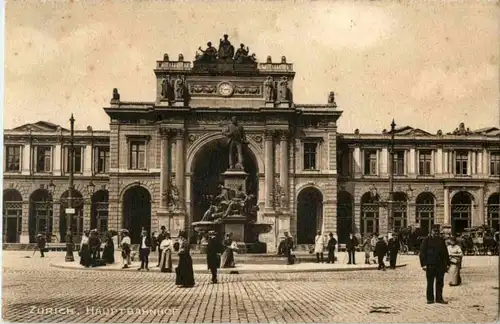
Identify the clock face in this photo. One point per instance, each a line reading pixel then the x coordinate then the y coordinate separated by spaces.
pixel 226 89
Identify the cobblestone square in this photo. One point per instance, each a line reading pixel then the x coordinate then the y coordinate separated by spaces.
pixel 33 291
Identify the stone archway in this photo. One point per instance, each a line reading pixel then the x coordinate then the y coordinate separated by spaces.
pixel 12 215
pixel 425 209
pixel 494 211
pixel 309 214
pixel 209 162
pixel 40 214
pixel 76 219
pixel 136 211
pixel 461 211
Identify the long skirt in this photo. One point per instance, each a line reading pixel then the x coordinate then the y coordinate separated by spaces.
pixel 85 255
pixel 184 275
pixel 454 273
pixel 166 261
pixel 227 259
pixel 108 254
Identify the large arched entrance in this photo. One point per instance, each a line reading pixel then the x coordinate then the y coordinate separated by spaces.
pixel 12 215
pixel 369 215
pixel 136 212
pixel 41 212
pixel 425 212
pixel 76 218
pixel 99 211
pixel 461 211
pixel 344 216
pixel 210 162
pixel 309 215
pixel 400 211
pixel 494 211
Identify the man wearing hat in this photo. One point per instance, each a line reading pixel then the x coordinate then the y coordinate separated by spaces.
pixel 41 244
pixel 380 251
pixel 434 260
pixel 214 249
pixel 159 239
pixel 144 249
pixel 393 247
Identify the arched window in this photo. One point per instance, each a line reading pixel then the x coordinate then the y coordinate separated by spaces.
pixel 12 215
pixel 494 211
pixel 369 215
pixel 41 211
pixel 400 211
pixel 461 212
pixel 76 218
pixel 425 212
pixel 100 203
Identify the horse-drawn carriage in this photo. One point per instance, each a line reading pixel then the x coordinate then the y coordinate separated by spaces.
pixel 478 240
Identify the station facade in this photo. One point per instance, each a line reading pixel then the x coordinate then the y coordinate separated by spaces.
pixel 160 161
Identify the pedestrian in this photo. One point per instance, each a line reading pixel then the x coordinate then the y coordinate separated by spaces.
pixel 95 247
pixel 380 251
pixel 41 241
pixel 456 255
pixel 144 250
pixel 227 258
pixel 159 239
pixel 288 249
pixel 214 249
pixel 367 248
pixel 166 246
pixel 85 250
pixel 126 245
pixel 319 246
pixel 434 260
pixel 373 242
pixel 393 249
pixel 108 254
pixel 184 275
pixel 352 243
pixel 331 248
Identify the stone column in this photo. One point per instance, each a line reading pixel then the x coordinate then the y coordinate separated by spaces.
pixel 478 217
pixel 411 166
pixel 164 174
pixel 357 161
pixel 284 168
pixel 26 162
pixel 87 164
pixel 269 169
pixel 480 162
pixel 25 233
pixel 58 152
pixel 486 159
pixel 439 162
pixel 384 162
pixel 469 163
pixel 179 167
pixel 446 204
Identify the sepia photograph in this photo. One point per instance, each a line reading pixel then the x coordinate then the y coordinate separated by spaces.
pixel 250 161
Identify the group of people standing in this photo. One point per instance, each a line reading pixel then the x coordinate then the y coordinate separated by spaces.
pixel 381 247
pixel 90 249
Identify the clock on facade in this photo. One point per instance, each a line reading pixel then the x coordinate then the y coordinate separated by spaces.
pixel 226 89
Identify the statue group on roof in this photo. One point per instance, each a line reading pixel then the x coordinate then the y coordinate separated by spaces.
pixel 225 52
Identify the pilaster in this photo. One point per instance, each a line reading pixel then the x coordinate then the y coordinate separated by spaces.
pixel 412 170
pixel 27 151
pixel 446 204
pixel 439 161
pixel 58 159
pixel 284 171
pixel 179 168
pixel 357 161
pixel 164 167
pixel 25 234
pixel 479 216
pixel 87 163
pixel 269 170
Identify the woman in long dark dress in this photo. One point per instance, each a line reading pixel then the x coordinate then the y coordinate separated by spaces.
pixel 85 250
pixel 184 275
pixel 108 254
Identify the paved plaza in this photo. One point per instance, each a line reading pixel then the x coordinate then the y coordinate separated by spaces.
pixel 34 291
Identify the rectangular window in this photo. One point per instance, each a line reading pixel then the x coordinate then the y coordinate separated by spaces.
pixel 43 159
pixel 495 164
pixel 13 158
pixel 137 159
pixel 102 160
pixel 371 162
pixel 424 162
pixel 399 163
pixel 310 151
pixel 78 159
pixel 461 161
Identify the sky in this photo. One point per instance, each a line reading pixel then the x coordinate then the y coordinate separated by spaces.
pixel 427 64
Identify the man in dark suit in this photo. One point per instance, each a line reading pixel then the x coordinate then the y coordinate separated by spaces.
pixel 393 247
pixel 214 249
pixel 159 239
pixel 380 251
pixel 331 248
pixel 350 246
pixel 41 244
pixel 144 249
pixel 434 260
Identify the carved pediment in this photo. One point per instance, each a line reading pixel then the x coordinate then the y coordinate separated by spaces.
pixel 40 126
pixel 488 131
pixel 408 130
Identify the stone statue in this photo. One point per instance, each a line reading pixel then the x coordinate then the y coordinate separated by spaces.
pixel 165 57
pixel 208 55
pixel 440 132
pixel 181 58
pixel 116 95
pixel 226 50
pixel 236 136
pixel 283 60
pixel 179 88
pixel 269 89
pixel 269 59
pixel 242 56
pixel 166 87
pixel 283 89
pixel 331 98
pixel 208 216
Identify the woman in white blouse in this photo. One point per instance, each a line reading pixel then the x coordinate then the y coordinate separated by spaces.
pixel 455 253
pixel 166 246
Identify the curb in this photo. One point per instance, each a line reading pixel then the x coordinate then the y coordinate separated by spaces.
pixel 228 271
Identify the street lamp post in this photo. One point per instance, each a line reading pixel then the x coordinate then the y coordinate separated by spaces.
pixel 70 210
pixel 390 210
